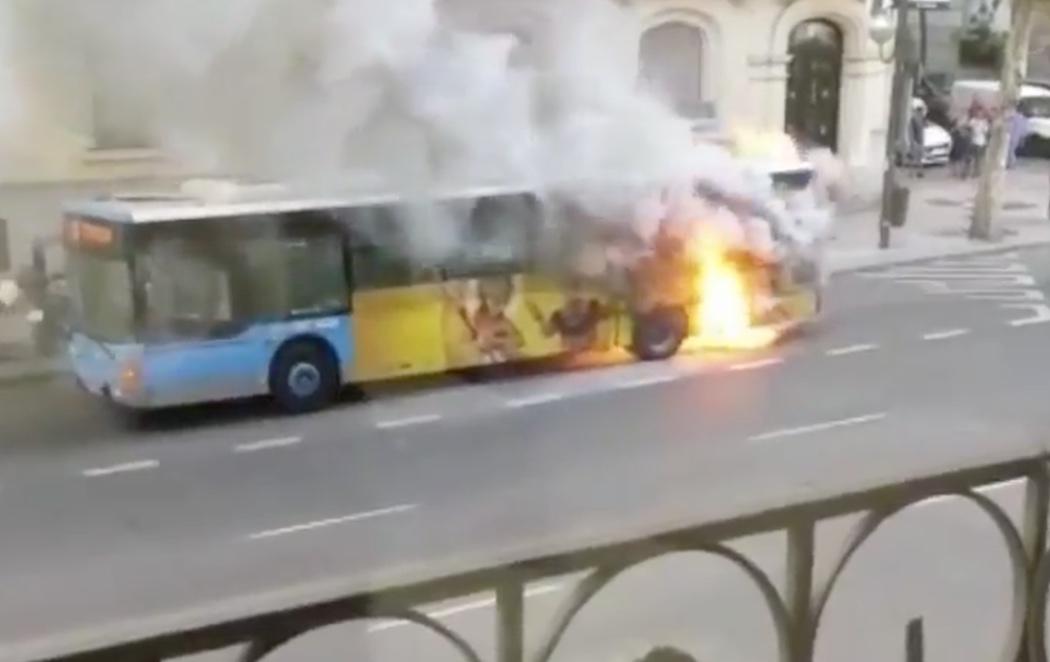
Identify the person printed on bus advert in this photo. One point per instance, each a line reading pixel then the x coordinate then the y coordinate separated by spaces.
pixel 496 336
pixel 576 322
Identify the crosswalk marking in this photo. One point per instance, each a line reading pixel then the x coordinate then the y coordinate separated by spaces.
pixel 1040 314
pixel 1004 279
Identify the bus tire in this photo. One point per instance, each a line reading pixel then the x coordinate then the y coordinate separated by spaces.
pixel 304 376
pixel 658 334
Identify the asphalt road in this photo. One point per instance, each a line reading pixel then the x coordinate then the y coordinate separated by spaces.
pixel 100 525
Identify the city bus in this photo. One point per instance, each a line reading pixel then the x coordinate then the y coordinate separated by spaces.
pixel 180 299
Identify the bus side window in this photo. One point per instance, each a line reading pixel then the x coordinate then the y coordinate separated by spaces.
pixel 500 237
pixel 378 249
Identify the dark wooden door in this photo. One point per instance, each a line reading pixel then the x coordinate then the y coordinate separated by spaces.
pixel 814 83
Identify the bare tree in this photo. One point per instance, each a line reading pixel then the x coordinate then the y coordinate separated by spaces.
pixel 1012 73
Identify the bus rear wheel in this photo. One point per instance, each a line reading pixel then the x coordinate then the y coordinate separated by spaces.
pixel 658 334
pixel 304 377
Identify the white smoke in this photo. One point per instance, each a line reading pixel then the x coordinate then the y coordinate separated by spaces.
pixel 294 87
pixel 310 90
pixel 10 98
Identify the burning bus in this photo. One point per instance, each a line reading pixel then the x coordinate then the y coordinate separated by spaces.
pixel 196 297
pixel 723 266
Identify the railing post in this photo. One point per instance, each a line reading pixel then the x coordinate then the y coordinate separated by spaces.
pixel 914 644
pixel 800 541
pixel 1033 535
pixel 510 612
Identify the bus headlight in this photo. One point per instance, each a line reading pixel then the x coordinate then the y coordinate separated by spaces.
pixel 129 382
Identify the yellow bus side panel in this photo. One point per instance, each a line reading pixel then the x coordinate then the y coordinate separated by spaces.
pixel 472 322
pixel 397 332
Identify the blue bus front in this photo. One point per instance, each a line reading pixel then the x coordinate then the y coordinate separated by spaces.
pixel 178 313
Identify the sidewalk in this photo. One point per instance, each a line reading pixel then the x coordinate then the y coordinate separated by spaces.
pixel 938 219
pixel 18 359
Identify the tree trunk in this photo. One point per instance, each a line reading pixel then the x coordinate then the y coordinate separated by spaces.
pixel 1012 73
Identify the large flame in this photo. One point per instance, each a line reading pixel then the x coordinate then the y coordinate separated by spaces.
pixel 724 308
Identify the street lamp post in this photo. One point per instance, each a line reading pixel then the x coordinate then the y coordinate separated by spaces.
pixel 894 194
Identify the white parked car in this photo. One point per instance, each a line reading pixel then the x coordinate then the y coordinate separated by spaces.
pixel 937 142
pixel 937 145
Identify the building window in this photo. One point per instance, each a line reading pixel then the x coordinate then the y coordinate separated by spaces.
pixel 117 124
pixel 671 64
pixel 118 114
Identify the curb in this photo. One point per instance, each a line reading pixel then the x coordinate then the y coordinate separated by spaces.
pixel 32 372
pixel 878 261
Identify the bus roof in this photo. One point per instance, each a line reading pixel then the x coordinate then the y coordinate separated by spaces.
pixel 195 202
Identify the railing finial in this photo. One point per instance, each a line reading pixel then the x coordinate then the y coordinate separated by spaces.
pixel 914 646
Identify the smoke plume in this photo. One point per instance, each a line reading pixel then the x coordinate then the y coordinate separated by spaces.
pixel 412 92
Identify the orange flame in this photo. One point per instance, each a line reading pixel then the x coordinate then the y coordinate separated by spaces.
pixel 724 306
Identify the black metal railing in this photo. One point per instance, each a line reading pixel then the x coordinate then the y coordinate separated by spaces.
pixel 796 612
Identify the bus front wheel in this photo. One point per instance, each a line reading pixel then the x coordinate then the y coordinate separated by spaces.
pixel 304 377
pixel 658 334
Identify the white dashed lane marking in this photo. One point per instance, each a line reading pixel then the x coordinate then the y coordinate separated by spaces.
pixel 408 421
pixel 852 349
pixel 757 365
pixel 534 400
pixel 946 334
pixel 266 444
pixel 474 605
pixel 333 521
pixel 818 427
pixel 1012 483
pixel 643 382
pixel 127 467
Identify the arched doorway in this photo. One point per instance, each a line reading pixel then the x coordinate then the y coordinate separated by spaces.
pixel 814 82
pixel 671 63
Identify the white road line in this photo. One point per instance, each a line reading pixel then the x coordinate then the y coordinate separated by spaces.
pixel 852 349
pixel 944 335
pixel 533 400
pixel 939 499
pixel 819 427
pixel 354 517
pixel 643 382
pixel 755 365
pixel 474 605
pixel 408 421
pixel 987 490
pixel 1041 314
pixel 253 446
pixel 987 294
pixel 127 467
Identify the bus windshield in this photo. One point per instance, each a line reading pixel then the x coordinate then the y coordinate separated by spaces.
pixel 102 296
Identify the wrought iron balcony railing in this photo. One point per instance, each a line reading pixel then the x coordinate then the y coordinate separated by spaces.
pixel 796 611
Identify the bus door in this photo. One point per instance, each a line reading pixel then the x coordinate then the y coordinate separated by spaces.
pixel 396 311
pixel 197 347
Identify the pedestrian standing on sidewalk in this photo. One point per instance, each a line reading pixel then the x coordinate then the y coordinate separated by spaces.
pixel 917 138
pixel 979 128
pixel 962 147
pixel 1018 124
